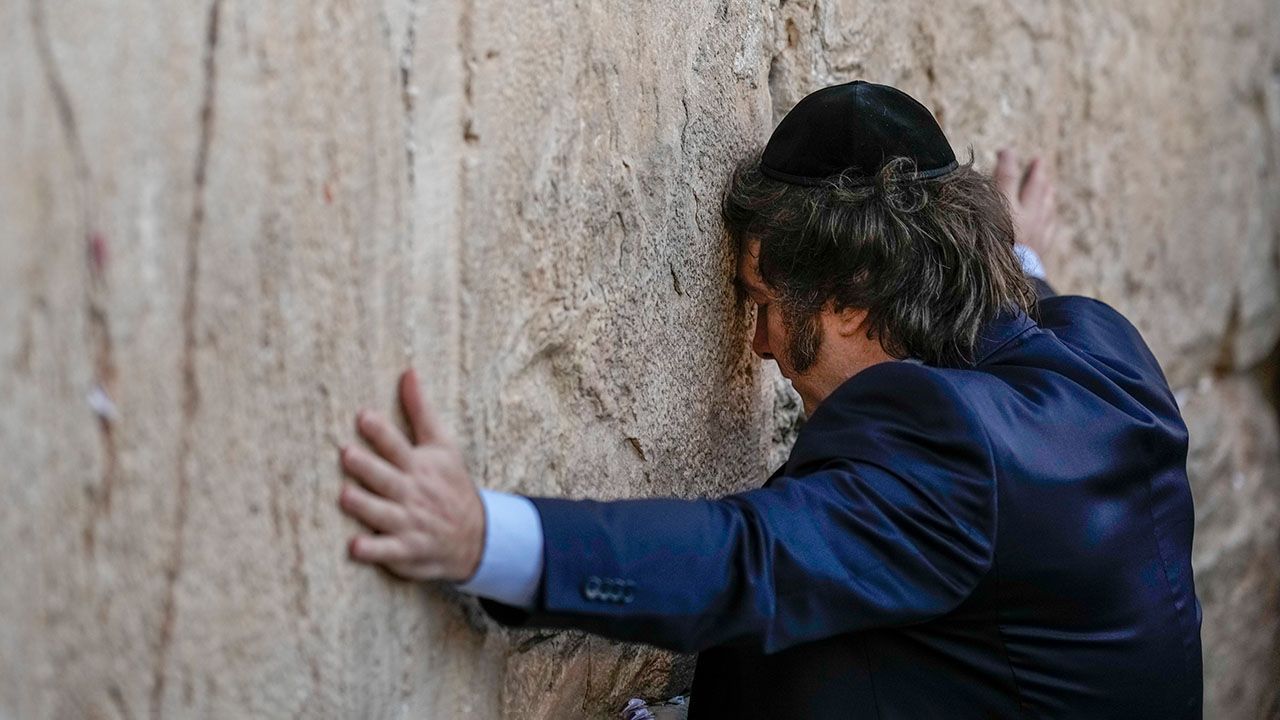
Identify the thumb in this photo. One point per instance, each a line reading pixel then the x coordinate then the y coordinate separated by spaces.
pixel 426 426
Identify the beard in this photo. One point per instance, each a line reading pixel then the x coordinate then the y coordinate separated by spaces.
pixel 805 339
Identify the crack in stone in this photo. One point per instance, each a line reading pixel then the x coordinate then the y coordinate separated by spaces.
pixel 408 98
pixel 816 32
pixel 1225 363
pixel 409 92
pixel 105 374
pixel 472 430
pixel 801 50
pixel 61 98
pixel 301 608
pixel 22 362
pixel 117 700
pixel 99 330
pixel 297 570
pixel 190 388
pixel 529 643
pixel 684 127
pixel 638 448
pixel 469 134
pixel 928 54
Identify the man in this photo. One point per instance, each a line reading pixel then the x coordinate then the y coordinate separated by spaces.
pixel 986 513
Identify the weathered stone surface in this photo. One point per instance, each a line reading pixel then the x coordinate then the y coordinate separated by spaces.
pixel 1234 466
pixel 227 225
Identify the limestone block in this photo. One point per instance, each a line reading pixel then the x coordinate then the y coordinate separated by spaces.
pixel 597 284
pixel 1234 466
pixel 227 225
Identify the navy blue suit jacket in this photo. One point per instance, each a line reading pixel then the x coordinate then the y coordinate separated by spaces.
pixel 1006 540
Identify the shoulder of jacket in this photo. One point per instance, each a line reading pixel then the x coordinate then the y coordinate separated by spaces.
pixel 1061 310
pixel 1095 328
pixel 890 407
pixel 900 383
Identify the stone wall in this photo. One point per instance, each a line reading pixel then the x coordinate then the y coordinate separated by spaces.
pixel 226 225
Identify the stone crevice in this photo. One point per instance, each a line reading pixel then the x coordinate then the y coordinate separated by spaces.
pixel 409 94
pixel 190 387
pixel 61 98
pixel 1226 361
pixel 99 330
pixel 465 51
pixel 409 100
pixel 471 428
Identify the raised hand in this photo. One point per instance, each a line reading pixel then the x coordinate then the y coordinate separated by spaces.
pixel 1031 194
pixel 415 495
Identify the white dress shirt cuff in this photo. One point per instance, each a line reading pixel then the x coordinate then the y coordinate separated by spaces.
pixel 510 568
pixel 1031 264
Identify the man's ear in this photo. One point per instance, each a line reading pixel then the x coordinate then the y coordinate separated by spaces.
pixel 850 321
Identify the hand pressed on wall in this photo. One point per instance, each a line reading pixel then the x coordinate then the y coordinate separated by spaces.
pixel 1031 192
pixel 415 494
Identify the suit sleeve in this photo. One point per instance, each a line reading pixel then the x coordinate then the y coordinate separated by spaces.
pixel 884 516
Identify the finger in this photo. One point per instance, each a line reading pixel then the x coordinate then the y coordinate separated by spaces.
pixel 1048 202
pixel 1034 183
pixel 378 549
pixel 375 473
pixel 1007 172
pixel 426 426
pixel 385 438
pixel 372 510
pixel 411 571
pixel 1050 217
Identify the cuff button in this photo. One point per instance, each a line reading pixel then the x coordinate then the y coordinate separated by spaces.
pixel 591 588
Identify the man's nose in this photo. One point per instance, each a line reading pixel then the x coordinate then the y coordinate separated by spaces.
pixel 760 342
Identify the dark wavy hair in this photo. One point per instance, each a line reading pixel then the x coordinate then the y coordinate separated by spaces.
pixel 931 261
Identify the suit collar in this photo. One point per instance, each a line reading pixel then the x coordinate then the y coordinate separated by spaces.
pixel 997 333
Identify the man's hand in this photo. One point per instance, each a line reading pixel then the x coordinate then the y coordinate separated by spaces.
pixel 1031 200
pixel 417 497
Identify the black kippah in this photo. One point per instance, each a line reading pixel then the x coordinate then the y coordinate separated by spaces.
pixel 855 128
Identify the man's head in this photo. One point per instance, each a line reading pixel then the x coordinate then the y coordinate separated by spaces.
pixel 855 268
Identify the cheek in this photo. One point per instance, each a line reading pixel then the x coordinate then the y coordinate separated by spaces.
pixel 779 341
pixel 776 330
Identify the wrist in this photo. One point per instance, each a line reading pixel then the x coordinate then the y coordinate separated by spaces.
pixel 510 568
pixel 474 535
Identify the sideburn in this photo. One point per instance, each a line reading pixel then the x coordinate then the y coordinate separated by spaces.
pixel 805 339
